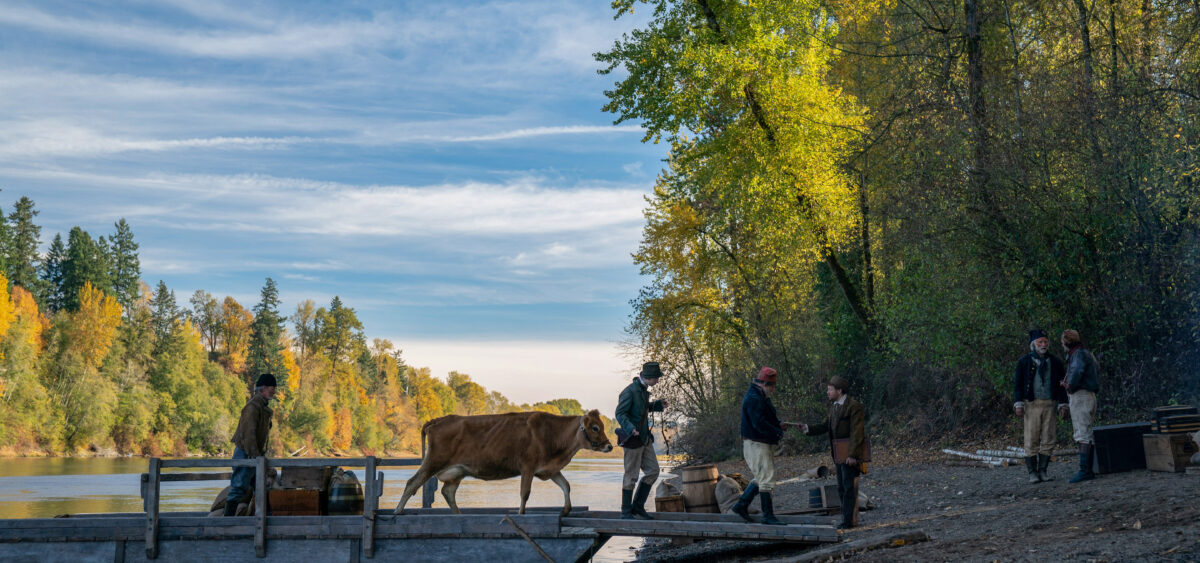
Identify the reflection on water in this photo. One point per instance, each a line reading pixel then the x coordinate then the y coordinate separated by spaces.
pixel 44 487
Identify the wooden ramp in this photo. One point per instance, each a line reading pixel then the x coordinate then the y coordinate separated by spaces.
pixel 800 529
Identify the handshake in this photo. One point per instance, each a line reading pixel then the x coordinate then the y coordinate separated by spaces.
pixel 803 427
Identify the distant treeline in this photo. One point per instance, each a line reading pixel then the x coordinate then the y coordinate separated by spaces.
pixel 92 358
pixel 898 191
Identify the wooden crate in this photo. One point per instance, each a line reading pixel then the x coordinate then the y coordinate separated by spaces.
pixel 1168 452
pixel 295 502
pixel 672 503
pixel 305 477
pixel 825 496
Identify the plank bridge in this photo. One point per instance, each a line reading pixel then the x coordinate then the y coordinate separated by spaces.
pixel 423 534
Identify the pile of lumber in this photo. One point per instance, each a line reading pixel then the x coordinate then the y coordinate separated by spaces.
pixel 1009 456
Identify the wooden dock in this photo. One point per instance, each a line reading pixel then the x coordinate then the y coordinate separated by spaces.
pixel 424 534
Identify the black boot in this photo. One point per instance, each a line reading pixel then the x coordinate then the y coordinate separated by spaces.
pixel 627 504
pixel 769 510
pixel 1086 451
pixel 742 508
pixel 1031 465
pixel 231 507
pixel 639 501
pixel 1043 467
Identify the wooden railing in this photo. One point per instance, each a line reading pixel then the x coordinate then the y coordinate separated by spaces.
pixel 372 490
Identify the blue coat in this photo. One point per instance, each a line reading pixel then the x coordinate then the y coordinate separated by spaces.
pixel 759 420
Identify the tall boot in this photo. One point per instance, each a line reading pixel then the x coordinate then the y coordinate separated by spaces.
pixel 639 501
pixel 1086 451
pixel 230 508
pixel 1043 467
pixel 768 507
pixel 627 504
pixel 742 508
pixel 1031 464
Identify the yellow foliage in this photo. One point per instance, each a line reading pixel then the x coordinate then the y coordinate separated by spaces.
pixel 7 314
pixel 343 429
pixel 94 326
pixel 25 309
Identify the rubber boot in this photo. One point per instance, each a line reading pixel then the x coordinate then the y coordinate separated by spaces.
pixel 769 510
pixel 742 508
pixel 1086 451
pixel 639 501
pixel 1044 466
pixel 627 504
pixel 1031 464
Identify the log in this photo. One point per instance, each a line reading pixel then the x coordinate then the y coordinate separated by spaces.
pixel 973 463
pixel 856 546
pixel 1001 453
pixel 976 457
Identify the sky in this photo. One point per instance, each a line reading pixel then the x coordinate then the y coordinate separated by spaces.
pixel 446 168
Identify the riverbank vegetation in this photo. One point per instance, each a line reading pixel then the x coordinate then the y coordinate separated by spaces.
pixel 897 192
pixel 91 358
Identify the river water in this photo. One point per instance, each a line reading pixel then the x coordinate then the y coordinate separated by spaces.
pixel 45 487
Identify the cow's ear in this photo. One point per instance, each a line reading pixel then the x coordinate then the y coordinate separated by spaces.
pixel 594 412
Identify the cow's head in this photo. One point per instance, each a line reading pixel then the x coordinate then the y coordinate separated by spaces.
pixel 593 430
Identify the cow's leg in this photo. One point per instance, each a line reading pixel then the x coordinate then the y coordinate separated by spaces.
pixel 526 483
pixel 450 479
pixel 414 484
pixel 562 483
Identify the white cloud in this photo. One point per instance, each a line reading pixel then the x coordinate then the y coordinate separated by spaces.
pixel 530 371
pixel 544 131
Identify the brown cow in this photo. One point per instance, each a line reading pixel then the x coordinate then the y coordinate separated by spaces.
pixel 499 446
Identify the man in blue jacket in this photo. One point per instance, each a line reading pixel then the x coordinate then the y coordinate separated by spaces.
pixel 761 432
pixel 1082 383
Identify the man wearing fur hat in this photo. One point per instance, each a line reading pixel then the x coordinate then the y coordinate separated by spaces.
pixel 1082 382
pixel 633 413
pixel 761 432
pixel 1037 392
pixel 250 440
pixel 847 421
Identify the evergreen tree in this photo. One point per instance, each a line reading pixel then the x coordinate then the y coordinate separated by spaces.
pixel 86 262
pixel 5 242
pixel 22 248
pixel 164 314
pixel 126 268
pixel 266 351
pixel 51 294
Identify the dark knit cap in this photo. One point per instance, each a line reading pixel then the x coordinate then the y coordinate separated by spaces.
pixel 650 370
pixel 840 382
pixel 1037 333
pixel 265 380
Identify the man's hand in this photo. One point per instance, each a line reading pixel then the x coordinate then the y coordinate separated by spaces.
pixel 1062 411
pixel 635 432
pixel 1020 411
pixel 851 460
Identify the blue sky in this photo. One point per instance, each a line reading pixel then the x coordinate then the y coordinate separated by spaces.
pixel 444 167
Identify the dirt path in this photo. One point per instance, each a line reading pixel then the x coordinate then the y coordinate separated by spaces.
pixel 980 514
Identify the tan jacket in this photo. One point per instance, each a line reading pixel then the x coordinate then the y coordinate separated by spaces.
pixel 850 423
pixel 253 427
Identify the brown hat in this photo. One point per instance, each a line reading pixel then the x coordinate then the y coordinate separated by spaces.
pixel 840 382
pixel 766 375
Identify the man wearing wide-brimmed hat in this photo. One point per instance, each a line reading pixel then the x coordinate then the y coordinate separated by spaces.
pixel 633 420
pixel 846 427
pixel 1037 392
pixel 250 440
pixel 761 432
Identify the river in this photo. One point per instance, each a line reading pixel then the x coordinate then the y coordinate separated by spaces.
pixel 44 487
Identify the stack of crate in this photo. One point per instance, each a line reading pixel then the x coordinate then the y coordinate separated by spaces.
pixel 1169 446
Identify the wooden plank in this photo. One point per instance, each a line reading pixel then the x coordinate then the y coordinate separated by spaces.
pixel 716 530
pixel 708 517
pixel 399 462
pixel 152 489
pixel 858 546
pixel 370 503
pixel 260 506
pixel 484 510
pixel 207 463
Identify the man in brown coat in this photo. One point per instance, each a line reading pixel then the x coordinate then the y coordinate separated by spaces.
pixel 250 440
pixel 846 426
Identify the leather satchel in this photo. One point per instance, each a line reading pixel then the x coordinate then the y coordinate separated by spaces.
pixel 841 450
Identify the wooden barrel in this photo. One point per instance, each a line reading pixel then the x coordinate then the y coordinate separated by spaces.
pixel 345 498
pixel 700 488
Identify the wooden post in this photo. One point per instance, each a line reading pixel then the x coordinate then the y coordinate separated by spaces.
pixel 370 502
pixel 152 509
pixel 428 491
pixel 260 506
